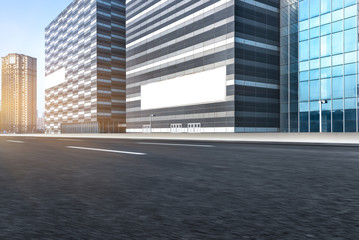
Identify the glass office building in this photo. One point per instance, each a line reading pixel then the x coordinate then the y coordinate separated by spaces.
pixel 319 65
pixel 202 66
pixel 85 68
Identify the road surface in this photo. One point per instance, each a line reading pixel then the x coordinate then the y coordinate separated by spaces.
pixel 58 188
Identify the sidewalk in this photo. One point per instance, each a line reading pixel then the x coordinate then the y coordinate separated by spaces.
pixel 309 138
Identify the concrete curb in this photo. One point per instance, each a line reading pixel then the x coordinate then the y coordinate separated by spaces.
pixel 273 138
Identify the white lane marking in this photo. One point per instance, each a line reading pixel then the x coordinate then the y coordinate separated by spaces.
pixel 175 144
pixel 70 140
pixel 12 141
pixel 106 150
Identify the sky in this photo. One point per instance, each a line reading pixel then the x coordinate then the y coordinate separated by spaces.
pixel 22 30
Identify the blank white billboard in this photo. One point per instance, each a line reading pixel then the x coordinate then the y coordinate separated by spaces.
pixel 204 87
pixel 55 78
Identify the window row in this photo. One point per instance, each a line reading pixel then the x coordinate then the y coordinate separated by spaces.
pixel 336 43
pixel 326 19
pixel 330 105
pixel 335 88
pixel 338 71
pixel 326 29
pixel 332 121
pixel 336 62
pixel 313 8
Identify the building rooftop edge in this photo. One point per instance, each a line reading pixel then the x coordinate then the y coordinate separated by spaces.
pixel 19 54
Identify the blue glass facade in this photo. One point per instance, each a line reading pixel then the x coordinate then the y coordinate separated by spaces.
pixel 319 63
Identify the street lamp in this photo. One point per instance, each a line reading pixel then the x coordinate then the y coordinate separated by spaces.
pixel 321 102
pixel 151 116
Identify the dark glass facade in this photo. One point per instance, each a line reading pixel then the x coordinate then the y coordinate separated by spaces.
pixel 257 66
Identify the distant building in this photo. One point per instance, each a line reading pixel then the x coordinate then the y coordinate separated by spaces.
pixel 19 77
pixel 0 119
pixel 41 122
pixel 85 68
pixel 203 66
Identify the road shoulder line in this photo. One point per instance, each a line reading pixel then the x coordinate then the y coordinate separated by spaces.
pixel 106 150
pixel 12 141
pixel 175 144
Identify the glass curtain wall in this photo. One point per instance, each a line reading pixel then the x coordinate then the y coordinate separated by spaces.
pixel 289 66
pixel 327 66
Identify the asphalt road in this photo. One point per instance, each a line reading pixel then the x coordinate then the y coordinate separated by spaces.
pixel 132 189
